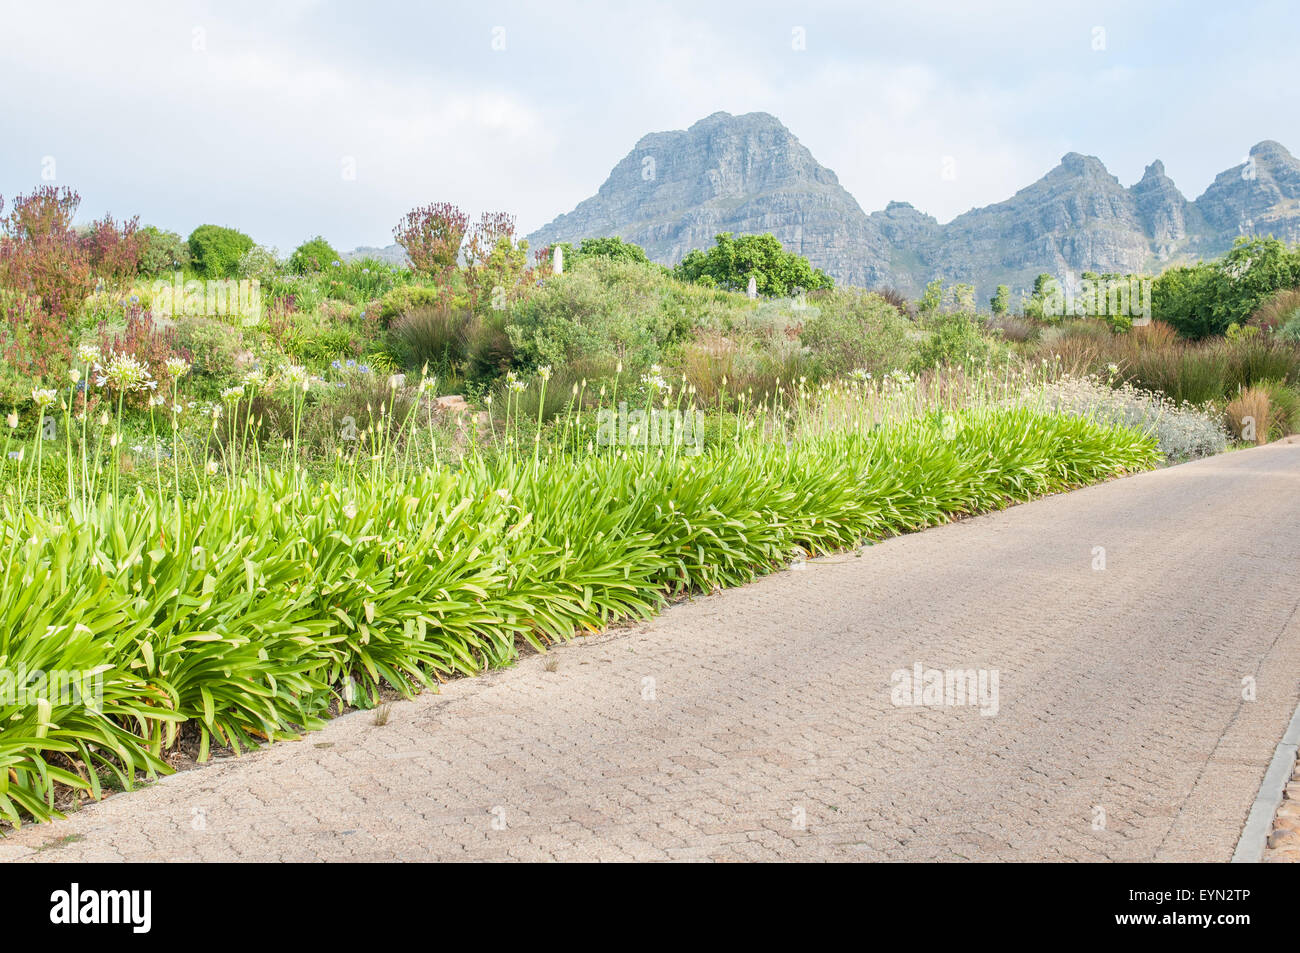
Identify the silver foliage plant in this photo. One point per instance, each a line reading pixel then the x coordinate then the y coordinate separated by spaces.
pixel 1184 431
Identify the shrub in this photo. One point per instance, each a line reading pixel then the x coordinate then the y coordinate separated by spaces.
pixel 953 338
pixel 259 263
pixel 311 256
pixel 432 236
pixel 404 298
pixel 1290 332
pixel 602 310
pixel 41 254
pixel 1182 431
pixel 216 251
pixel 733 261
pixel 34 348
pixel 162 252
pixel 849 329
pixel 215 350
pixel 114 250
pixel 495 266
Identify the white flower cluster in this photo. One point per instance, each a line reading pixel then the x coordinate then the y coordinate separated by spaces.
pixel 1184 431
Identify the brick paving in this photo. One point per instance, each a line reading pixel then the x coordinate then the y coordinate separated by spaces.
pixel 758 723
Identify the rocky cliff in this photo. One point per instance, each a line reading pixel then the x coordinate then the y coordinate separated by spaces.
pixel 675 190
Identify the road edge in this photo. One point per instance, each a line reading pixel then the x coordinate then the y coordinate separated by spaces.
pixel 1254 836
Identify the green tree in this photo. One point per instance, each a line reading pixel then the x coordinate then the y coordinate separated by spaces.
pixel 614 248
pixel 734 260
pixel 932 298
pixel 216 251
pixel 1202 300
pixel 963 297
pixel 313 255
pixel 1036 306
pixel 1000 303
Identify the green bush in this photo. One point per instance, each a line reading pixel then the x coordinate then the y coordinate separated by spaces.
pixel 954 339
pixel 850 330
pixel 259 263
pixel 312 256
pixel 733 261
pixel 163 253
pixel 216 251
pixel 1202 300
pixel 403 298
pixel 215 350
pixel 603 309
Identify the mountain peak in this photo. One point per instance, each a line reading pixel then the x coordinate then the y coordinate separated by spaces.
pixel 1269 149
pixel 1079 164
pixel 722 117
pixel 745 174
pixel 1156 170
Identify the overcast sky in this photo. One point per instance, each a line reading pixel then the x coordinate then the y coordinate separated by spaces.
pixel 289 119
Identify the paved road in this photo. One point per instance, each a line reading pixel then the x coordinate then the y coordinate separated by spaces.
pixel 759 724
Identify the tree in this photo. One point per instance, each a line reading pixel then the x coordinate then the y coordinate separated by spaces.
pixel 932 298
pixel 432 236
pixel 613 247
pixel 1036 306
pixel 215 251
pixel 733 261
pixel 311 256
pixel 963 297
pixel 1000 303
pixel 1206 298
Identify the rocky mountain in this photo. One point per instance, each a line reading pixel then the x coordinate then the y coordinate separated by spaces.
pixel 675 190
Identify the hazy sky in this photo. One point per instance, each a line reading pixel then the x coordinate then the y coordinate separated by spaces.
pixel 289 119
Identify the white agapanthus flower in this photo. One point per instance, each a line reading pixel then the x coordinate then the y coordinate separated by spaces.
pixel 124 373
